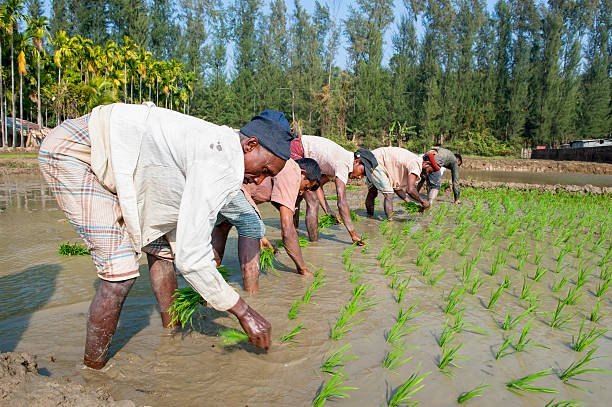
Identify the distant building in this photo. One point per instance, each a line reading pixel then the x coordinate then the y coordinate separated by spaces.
pixel 601 142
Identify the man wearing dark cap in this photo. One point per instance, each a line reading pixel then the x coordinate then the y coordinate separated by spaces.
pixel 336 163
pixel 443 159
pixel 138 178
pixel 242 212
pixel 398 172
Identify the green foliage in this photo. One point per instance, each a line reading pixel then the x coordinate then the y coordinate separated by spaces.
pixel 267 260
pixel 186 302
pixel 74 249
pixel 332 389
pixel 410 207
pixel 402 395
pixel 526 383
pixel 326 221
pixel 232 337
pixel 476 391
pixel 335 359
pixel 579 367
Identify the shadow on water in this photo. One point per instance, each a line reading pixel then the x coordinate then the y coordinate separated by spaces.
pixel 21 294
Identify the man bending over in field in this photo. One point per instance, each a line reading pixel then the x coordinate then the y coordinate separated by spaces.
pixel 444 159
pixel 135 178
pixel 398 171
pixel 335 162
pixel 283 191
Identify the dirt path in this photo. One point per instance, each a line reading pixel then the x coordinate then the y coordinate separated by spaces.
pixel 521 165
pixel 22 385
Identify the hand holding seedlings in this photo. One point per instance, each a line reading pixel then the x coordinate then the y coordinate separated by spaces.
pixel 255 326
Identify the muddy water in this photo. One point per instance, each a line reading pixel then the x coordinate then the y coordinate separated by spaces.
pixel 546 178
pixel 44 299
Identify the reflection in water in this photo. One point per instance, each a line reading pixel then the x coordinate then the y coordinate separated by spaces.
pixel 536 178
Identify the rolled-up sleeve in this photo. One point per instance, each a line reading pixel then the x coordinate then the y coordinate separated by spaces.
pixel 206 191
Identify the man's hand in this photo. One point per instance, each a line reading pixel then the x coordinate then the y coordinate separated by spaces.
pixel 357 239
pixel 338 218
pixel 304 271
pixel 255 326
pixel 264 242
pixel 458 201
pixel 425 205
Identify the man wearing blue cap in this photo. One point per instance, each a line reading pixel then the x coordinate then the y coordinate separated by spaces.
pixel 134 178
pixel 242 213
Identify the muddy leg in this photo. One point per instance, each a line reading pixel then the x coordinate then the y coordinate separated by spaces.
pixel 248 254
pixel 312 218
pixel 296 214
pixel 163 282
pixel 102 320
pixel 219 239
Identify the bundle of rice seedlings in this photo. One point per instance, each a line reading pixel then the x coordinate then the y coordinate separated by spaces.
pixel 326 221
pixel 410 207
pixel 76 249
pixel 232 337
pixel 186 301
pixel 267 259
pixel 303 242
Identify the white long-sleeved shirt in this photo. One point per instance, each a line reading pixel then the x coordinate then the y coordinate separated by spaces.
pixel 172 174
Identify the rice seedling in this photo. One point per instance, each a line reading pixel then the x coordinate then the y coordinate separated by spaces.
pixel 540 273
pixel 356 304
pixel 557 286
pixel 507 281
pixel 398 330
pixel 393 359
pixel 465 249
pixel 579 250
pixel 332 198
pixel 326 221
pixel 75 249
pixel 571 403
pixel 562 253
pixel 505 345
pixel 335 359
pixel 605 273
pixel 475 392
pixel 525 343
pixel 559 319
pixel 290 334
pixel 526 289
pixel 295 308
pixel 537 255
pixel 495 295
pixel 232 337
pixel 402 395
pixel 579 367
pixel 186 302
pixel 602 287
pixel 449 357
pixel 467 268
pixel 332 389
pixel 347 254
pixel 302 241
pixel 476 283
pixel 526 383
pixel 410 207
pixel 510 322
pixel 573 297
pixel 433 280
pixel 500 261
pixel 354 216
pixel 318 282
pixel 459 324
pixel 267 260
pixel 586 339
pixel 447 335
pixel 595 315
pixel 454 300
pixel 401 290
pixel 583 274
pixel 520 263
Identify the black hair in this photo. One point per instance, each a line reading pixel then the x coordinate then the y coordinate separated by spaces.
pixel 458 156
pixel 313 171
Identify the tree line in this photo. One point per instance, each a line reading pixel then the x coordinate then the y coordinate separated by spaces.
pixel 526 73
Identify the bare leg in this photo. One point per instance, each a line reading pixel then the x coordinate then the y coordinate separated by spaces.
pixel 102 320
pixel 312 215
pixel 369 202
pixel 219 239
pixel 163 282
pixel 432 195
pixel 248 254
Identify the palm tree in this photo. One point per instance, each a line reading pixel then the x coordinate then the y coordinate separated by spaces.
pixel 22 69
pixel 38 29
pixel 127 52
pixel 64 50
pixel 2 118
pixel 12 14
pixel 143 57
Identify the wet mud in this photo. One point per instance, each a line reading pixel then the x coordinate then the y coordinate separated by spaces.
pixel 45 298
